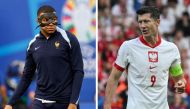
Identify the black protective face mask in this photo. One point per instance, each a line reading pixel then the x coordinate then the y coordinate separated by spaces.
pixel 47 18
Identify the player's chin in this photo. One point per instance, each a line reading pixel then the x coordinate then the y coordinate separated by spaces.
pixel 146 34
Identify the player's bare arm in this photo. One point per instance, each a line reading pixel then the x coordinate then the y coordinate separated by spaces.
pixel 111 87
pixel 178 77
pixel 3 93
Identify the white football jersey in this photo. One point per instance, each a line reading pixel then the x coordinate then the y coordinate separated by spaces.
pixel 148 71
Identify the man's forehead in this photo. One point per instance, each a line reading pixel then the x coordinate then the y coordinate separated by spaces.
pixel 144 16
pixel 47 13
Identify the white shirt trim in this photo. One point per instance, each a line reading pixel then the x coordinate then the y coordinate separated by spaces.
pixel 64 34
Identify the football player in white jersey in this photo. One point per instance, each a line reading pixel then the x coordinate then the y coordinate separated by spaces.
pixel 149 60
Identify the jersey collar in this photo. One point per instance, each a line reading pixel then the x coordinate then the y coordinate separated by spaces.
pixel 147 44
pixel 43 37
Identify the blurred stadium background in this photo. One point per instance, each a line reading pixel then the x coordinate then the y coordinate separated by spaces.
pixel 18 23
pixel 117 23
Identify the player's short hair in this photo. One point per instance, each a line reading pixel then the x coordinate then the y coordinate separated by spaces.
pixel 45 9
pixel 185 14
pixel 155 13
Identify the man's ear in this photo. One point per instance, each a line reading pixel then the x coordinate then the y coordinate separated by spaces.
pixel 158 22
pixel 37 20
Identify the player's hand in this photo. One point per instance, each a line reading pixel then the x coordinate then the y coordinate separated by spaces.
pixel 72 106
pixel 8 107
pixel 180 86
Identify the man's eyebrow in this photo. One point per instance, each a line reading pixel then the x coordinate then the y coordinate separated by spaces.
pixel 143 20
pixel 140 20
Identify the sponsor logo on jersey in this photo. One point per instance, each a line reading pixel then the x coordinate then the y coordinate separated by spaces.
pixel 153 56
pixel 152 67
pixel 36 48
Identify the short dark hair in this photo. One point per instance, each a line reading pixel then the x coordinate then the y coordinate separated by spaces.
pixel 185 13
pixel 155 13
pixel 45 9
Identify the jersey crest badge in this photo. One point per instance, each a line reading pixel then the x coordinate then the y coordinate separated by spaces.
pixel 153 56
pixel 57 44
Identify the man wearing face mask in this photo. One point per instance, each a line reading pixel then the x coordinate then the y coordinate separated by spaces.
pixel 56 56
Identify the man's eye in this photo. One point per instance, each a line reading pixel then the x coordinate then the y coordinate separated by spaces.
pixel 44 20
pixel 54 19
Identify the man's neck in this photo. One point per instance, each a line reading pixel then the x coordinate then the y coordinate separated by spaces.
pixel 152 40
pixel 45 34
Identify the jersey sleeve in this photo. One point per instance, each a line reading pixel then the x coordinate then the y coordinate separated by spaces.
pixel 122 57
pixel 77 68
pixel 177 58
pixel 175 68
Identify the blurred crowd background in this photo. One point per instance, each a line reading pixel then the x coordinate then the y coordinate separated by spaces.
pixel 117 22
pixel 9 83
